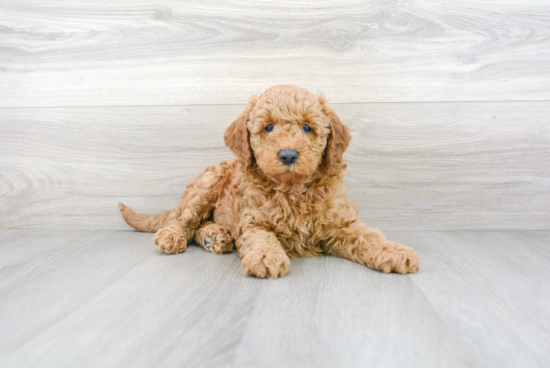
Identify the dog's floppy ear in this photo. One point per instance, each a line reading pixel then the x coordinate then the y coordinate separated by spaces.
pixel 236 135
pixel 338 140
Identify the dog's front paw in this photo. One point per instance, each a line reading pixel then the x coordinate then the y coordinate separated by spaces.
pixel 170 240
pixel 266 263
pixel 397 258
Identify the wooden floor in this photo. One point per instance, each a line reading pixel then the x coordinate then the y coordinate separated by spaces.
pixel 109 299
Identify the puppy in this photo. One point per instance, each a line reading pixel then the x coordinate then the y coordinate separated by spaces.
pixel 283 197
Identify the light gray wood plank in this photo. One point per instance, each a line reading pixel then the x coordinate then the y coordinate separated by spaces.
pixel 25 251
pixel 8 236
pixel 411 165
pixel 493 287
pixel 19 245
pixel 330 312
pixel 450 166
pixel 60 53
pixel 117 301
pixel 113 300
pixel 51 286
pixel 535 246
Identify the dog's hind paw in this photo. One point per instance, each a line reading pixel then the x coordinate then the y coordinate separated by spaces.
pixel 170 240
pixel 214 238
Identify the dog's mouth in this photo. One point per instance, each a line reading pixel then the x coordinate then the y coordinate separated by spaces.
pixel 294 173
pixel 289 176
pixel 287 164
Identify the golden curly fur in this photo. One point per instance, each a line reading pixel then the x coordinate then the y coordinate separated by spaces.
pixel 273 211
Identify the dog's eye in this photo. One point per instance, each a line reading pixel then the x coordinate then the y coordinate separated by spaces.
pixel 306 128
pixel 269 128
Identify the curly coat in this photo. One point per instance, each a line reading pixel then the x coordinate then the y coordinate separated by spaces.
pixel 274 211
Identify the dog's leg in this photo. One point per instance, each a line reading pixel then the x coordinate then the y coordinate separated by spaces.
pixel 196 206
pixel 214 238
pixel 172 238
pixel 262 254
pixel 370 247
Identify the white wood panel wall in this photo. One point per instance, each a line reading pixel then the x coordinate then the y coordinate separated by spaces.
pixel 107 101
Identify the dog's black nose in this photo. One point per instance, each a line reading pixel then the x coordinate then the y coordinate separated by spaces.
pixel 288 157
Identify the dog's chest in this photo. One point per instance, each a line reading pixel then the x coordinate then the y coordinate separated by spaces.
pixel 292 217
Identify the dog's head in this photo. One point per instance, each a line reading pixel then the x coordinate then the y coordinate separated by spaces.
pixel 290 134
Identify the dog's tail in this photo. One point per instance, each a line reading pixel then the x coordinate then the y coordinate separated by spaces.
pixel 146 223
